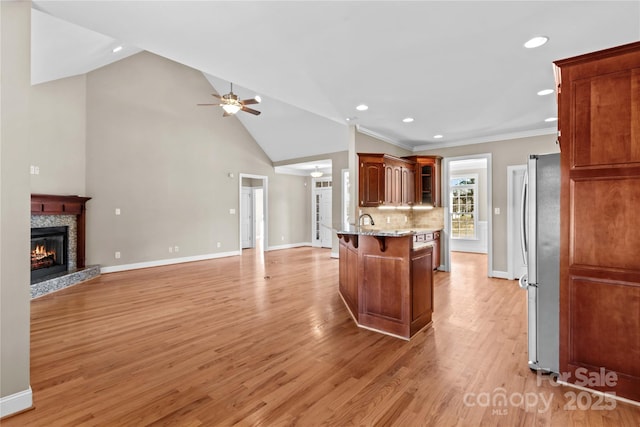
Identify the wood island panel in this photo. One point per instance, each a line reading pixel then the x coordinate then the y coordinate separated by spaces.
pixel 394 292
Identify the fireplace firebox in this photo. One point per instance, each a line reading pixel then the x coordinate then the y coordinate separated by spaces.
pixel 49 251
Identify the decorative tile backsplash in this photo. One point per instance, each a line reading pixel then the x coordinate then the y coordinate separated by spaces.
pixel 401 219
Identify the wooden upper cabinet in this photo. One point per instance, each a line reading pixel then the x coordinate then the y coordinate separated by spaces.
pixel 384 180
pixel 371 187
pixel 427 180
pixel 599 124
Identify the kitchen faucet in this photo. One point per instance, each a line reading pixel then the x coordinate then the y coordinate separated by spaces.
pixel 363 215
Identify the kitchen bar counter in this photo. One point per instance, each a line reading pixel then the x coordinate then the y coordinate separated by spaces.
pixel 385 282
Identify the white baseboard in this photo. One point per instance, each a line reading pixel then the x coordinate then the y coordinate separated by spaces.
pixel 600 393
pixel 288 246
pixel 335 255
pixel 147 264
pixel 16 402
pixel 500 274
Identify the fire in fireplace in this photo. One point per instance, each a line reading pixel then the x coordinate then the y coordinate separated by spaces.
pixel 49 247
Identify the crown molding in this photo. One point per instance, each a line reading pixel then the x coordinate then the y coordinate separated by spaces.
pixel 386 139
pixel 485 139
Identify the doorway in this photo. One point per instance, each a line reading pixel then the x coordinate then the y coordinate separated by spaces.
pixel 321 199
pixel 253 212
pixel 466 197
pixel 516 261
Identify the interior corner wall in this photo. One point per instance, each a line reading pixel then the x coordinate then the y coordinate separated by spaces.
pixel 503 154
pixel 369 144
pixel 57 123
pixel 165 162
pixel 15 36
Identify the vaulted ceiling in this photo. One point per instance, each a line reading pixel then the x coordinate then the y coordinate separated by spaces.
pixel 459 69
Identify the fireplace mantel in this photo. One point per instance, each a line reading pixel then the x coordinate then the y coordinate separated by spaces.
pixel 47 204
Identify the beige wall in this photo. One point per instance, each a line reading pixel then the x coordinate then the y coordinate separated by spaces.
pixel 57 125
pixel 15 29
pixel 503 154
pixel 164 162
pixel 368 144
pixel 339 161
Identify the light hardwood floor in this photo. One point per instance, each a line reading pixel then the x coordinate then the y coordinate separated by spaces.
pixel 251 342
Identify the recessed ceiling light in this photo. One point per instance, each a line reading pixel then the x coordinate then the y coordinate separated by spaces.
pixel 551 119
pixel 407 119
pixel 536 42
pixel 117 49
pixel 438 136
pixel 362 107
pixel 545 92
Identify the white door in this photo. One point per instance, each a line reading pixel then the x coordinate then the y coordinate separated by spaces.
pixel 247 218
pixel 517 264
pixel 322 204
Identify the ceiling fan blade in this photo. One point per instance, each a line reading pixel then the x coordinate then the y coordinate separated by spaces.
pixel 249 101
pixel 208 104
pixel 250 110
pixel 225 114
pixel 216 95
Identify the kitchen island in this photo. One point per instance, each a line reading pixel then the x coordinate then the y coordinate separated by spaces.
pixel 385 280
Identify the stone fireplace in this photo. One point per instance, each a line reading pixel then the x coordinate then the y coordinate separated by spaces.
pixel 58 243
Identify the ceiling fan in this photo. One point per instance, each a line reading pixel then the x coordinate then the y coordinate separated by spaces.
pixel 231 104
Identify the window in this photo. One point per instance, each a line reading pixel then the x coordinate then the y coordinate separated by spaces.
pixel 464 189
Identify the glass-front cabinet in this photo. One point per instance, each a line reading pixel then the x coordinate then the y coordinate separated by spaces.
pixel 428 180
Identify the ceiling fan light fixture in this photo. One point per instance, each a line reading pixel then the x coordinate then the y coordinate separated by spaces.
pixel 231 108
pixel 316 173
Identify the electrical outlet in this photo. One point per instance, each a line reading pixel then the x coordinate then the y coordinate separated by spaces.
pixel 496 211
pixel 176 248
pixel 37 170
pixel 406 219
pixel 282 238
pixel 117 255
pixel 388 220
pixel 117 211
pixel 232 211
pixel 32 169
pixel 219 244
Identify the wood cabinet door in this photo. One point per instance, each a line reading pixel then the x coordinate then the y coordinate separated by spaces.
pixel 408 186
pixel 599 117
pixel 392 183
pixel 421 288
pixel 371 183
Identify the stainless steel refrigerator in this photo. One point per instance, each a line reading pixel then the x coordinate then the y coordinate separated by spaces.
pixel 541 246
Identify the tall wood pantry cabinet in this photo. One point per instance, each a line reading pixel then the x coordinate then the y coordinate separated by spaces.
pixel 599 131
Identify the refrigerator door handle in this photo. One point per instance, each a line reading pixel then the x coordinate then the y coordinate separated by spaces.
pixel 524 214
pixel 532 261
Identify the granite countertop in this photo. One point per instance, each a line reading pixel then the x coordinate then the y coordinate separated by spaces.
pixel 369 231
